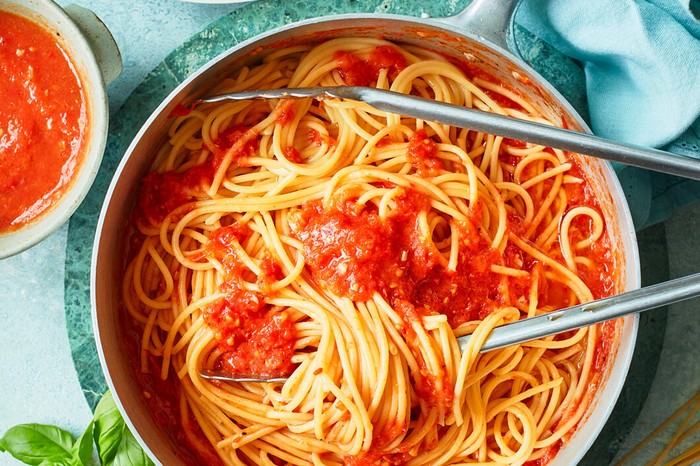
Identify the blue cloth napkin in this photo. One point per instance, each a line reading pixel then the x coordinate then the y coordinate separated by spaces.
pixel 641 60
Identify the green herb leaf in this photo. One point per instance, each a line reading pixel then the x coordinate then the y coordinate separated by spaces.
pixel 109 428
pixel 44 445
pixel 82 448
pixel 38 444
pixel 54 463
pixel 116 445
pixel 130 453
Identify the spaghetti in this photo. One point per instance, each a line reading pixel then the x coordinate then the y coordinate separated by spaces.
pixel 346 248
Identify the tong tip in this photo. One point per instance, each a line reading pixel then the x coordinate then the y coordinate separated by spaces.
pixel 213 375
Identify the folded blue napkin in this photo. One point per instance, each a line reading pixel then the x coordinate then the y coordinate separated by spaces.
pixel 641 60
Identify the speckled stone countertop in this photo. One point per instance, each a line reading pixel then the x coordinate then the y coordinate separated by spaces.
pixel 49 371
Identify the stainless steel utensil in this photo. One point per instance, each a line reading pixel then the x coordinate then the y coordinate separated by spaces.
pixel 563 320
pixel 536 133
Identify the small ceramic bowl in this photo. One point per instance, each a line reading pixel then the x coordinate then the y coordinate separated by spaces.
pixel 96 58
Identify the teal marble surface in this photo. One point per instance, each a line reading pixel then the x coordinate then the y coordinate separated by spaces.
pixel 247 22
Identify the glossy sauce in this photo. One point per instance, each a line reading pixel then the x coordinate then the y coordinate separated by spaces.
pixel 161 193
pixel 353 252
pixel 256 339
pixel 358 72
pixel 43 121
pixel 422 153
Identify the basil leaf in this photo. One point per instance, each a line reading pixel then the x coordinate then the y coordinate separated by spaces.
pixel 109 428
pixel 38 443
pixel 130 453
pixel 82 448
pixel 64 462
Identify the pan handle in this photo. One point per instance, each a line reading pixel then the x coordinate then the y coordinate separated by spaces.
pixel 491 19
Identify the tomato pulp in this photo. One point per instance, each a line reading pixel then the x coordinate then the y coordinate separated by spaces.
pixel 43 121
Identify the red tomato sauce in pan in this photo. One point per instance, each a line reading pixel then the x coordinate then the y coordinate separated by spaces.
pixel 256 339
pixel 358 72
pixel 43 120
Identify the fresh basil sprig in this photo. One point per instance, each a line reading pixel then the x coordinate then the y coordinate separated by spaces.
pixel 39 444
pixel 44 445
pixel 116 444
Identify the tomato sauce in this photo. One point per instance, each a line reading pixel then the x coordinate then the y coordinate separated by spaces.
pixel 43 121
pixel 422 153
pixel 315 138
pixel 180 111
pixel 601 278
pixel 473 71
pixel 161 193
pixel 291 154
pixel 256 339
pixel 358 72
pixel 355 253
pixel 286 110
pixel 237 134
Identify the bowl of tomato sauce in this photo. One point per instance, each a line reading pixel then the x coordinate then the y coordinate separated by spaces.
pixel 55 64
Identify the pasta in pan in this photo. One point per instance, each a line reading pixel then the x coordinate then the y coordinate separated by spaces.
pixel 345 249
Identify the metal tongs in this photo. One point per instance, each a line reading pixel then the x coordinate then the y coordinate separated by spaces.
pixel 582 315
pixel 492 123
pixel 562 320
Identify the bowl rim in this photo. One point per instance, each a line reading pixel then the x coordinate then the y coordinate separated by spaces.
pixel 49 15
pixel 629 328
